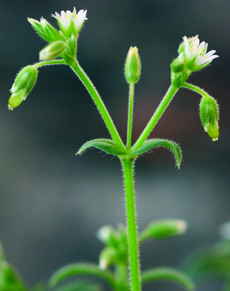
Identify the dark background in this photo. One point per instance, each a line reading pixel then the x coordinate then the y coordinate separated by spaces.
pixel 51 202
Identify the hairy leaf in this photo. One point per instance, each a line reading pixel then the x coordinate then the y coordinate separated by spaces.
pixel 149 144
pixel 106 145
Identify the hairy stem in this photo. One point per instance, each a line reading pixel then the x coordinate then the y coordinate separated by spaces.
pixel 48 63
pixel 131 224
pixel 130 117
pixel 99 103
pixel 196 89
pixel 156 116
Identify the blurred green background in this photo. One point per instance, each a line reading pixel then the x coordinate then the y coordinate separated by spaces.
pixel 52 202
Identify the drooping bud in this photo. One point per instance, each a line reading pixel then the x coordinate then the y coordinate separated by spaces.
pixel 23 84
pixel 45 29
pixel 107 257
pixel 209 114
pixel 52 50
pixel 164 229
pixel 132 66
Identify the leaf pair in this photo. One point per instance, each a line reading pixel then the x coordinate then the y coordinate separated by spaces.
pixel 151 275
pixel 108 146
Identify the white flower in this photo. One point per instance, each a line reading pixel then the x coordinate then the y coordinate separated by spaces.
pixel 195 53
pixel 70 22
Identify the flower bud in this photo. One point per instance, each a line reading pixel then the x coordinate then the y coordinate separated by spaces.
pixel 23 84
pixel 132 66
pixel 52 50
pixel 177 65
pixel 45 29
pixel 164 229
pixel 108 235
pixel 209 114
pixel 107 257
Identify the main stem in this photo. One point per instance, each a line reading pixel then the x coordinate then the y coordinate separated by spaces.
pixel 99 103
pixel 156 116
pixel 131 224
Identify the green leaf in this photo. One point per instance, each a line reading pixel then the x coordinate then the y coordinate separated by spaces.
pixel 80 286
pixel 9 279
pixel 82 269
pixel 208 263
pixel 149 144
pixel 168 274
pixel 106 145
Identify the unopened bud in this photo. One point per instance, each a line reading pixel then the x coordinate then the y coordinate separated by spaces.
pixel 209 114
pixel 52 50
pixel 108 235
pixel 23 84
pixel 45 29
pixel 177 65
pixel 164 229
pixel 132 66
pixel 106 258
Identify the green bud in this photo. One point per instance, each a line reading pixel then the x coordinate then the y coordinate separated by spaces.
pixel 178 79
pixel 52 50
pixel 164 229
pixel 132 66
pixel 107 257
pixel 209 114
pixel 45 29
pixel 108 235
pixel 177 65
pixel 23 84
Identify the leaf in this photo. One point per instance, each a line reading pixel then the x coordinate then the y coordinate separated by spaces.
pixel 106 145
pixel 79 286
pixel 149 144
pixel 168 274
pixel 211 262
pixel 82 269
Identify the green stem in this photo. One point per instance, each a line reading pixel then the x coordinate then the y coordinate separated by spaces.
pixel 121 277
pixel 131 224
pixel 99 103
pixel 47 63
pixel 156 116
pixel 196 89
pixel 130 117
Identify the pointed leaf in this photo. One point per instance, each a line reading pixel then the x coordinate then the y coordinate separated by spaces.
pixel 82 269
pixel 168 274
pixel 106 145
pixel 149 144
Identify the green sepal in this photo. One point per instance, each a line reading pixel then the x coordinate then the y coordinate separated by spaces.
pixel 168 274
pixel 45 29
pixel 149 144
pixel 106 145
pixel 80 269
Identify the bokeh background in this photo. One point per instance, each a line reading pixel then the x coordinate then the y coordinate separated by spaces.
pixel 51 202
